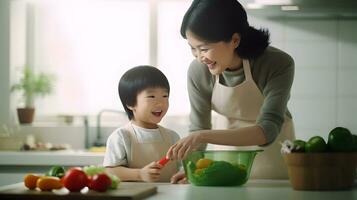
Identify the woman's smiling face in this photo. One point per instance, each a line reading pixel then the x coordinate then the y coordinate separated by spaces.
pixel 218 56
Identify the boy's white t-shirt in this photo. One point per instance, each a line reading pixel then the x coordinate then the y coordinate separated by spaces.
pixel 118 143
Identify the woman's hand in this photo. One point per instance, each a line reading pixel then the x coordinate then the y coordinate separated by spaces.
pixel 184 146
pixel 179 178
pixel 151 172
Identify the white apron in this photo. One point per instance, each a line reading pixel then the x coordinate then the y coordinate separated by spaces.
pixel 238 107
pixel 144 153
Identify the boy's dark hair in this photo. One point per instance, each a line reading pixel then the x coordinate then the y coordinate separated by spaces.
pixel 136 80
pixel 217 20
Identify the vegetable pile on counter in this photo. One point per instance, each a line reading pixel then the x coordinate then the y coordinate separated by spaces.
pixel 74 179
pixel 340 139
pixel 216 173
pixel 319 165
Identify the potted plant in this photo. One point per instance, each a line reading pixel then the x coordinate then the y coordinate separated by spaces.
pixel 31 85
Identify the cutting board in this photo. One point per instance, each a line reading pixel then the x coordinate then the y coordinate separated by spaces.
pixel 125 191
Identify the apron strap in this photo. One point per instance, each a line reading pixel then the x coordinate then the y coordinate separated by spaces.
pixel 165 136
pixel 134 138
pixel 129 127
pixel 247 73
pixel 216 77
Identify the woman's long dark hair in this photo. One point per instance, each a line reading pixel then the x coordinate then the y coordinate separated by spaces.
pixel 217 20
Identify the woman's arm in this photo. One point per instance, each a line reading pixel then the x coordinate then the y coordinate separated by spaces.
pixel 278 68
pixel 246 136
pixel 199 85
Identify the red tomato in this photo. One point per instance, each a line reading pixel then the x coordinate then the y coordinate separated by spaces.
pixel 75 180
pixel 100 182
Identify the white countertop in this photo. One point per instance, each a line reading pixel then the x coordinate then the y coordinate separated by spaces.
pixel 46 158
pixel 253 189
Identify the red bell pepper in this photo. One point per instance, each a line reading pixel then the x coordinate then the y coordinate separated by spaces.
pixel 163 161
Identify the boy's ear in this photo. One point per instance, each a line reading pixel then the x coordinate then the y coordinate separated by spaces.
pixel 130 107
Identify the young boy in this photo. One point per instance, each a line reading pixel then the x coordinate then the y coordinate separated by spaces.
pixel 133 151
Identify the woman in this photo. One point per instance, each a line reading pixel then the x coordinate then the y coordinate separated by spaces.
pixel 243 79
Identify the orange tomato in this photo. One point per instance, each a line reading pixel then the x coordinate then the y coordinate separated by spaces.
pixel 30 181
pixel 48 183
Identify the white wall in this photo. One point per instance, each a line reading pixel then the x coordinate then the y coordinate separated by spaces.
pixel 325 52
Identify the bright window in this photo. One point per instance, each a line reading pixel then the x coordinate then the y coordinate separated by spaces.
pixel 174 54
pixel 88 45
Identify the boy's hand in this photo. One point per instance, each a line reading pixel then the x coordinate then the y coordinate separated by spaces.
pixel 151 172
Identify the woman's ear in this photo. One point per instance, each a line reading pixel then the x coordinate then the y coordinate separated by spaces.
pixel 235 40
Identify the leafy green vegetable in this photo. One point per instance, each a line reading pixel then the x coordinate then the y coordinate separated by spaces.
pixel 56 171
pixel 115 181
pixel 93 170
pixel 219 173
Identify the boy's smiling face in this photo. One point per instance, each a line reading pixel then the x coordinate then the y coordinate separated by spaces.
pixel 151 106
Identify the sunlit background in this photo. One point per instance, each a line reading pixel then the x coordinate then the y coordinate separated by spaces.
pixel 89 44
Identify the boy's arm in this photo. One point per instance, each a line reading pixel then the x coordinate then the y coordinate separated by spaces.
pixel 124 173
pixel 149 173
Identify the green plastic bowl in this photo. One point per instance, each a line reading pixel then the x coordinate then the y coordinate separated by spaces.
pixel 219 168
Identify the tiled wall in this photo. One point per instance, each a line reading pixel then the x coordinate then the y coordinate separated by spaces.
pixel 324 93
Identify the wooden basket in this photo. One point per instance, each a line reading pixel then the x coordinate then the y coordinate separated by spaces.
pixel 321 171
